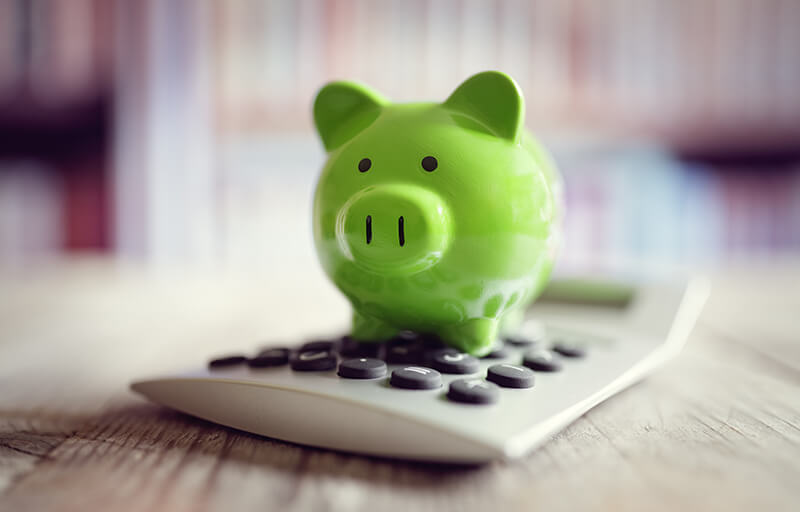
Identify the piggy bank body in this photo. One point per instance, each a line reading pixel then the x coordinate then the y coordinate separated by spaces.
pixel 439 218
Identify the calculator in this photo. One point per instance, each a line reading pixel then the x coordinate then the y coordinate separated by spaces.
pixel 413 398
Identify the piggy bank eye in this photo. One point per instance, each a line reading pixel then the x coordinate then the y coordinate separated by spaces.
pixel 364 164
pixel 429 163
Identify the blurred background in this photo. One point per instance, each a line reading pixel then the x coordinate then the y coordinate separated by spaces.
pixel 178 134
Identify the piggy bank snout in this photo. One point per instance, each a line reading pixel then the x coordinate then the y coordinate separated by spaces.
pixel 394 229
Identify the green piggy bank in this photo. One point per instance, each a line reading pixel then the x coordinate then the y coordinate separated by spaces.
pixel 440 218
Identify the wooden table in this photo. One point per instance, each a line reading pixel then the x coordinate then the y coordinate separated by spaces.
pixel 719 428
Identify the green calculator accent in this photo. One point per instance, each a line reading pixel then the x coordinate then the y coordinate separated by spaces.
pixel 440 218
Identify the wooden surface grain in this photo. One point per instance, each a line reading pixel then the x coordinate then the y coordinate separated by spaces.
pixel 716 429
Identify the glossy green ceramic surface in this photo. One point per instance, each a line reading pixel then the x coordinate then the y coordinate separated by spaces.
pixel 455 246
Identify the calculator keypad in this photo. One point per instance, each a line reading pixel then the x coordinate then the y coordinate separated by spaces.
pixel 420 363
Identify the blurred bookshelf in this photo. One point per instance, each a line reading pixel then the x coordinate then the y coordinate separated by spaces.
pixel 55 109
pixel 701 75
pixel 677 124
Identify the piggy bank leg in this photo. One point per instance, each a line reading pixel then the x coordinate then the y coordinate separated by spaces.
pixel 475 336
pixel 368 328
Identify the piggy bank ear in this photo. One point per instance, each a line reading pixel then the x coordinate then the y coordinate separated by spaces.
pixel 494 101
pixel 342 110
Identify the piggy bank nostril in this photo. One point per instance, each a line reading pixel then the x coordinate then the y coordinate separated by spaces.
pixel 401 234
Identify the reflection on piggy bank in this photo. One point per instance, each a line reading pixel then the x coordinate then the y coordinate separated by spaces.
pixel 439 218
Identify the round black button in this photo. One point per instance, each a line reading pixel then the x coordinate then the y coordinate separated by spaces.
pixel 317 345
pixel 362 368
pixel 222 362
pixel 270 357
pixel 352 348
pixel 521 341
pixel 567 349
pixel 498 350
pixel 314 361
pixel 473 391
pixel 406 353
pixel 451 361
pixel 406 337
pixel 406 348
pixel 510 376
pixel 416 377
pixel 430 340
pixel 541 360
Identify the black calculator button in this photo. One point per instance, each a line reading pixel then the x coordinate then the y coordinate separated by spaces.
pixel 416 377
pixel 473 391
pixel 431 340
pixel 452 361
pixel 406 337
pixel 522 341
pixel 510 376
pixel 541 360
pixel 567 349
pixel 314 361
pixel 222 362
pixel 405 353
pixel 313 346
pixel 407 348
pixel 270 357
pixel 498 350
pixel 351 348
pixel 362 368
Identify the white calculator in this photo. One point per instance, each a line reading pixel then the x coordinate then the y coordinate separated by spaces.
pixel 413 398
